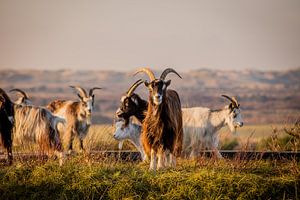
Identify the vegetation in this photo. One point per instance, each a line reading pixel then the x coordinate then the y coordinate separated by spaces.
pixel 96 177
pixel 82 177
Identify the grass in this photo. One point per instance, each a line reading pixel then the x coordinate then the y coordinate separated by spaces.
pixel 84 178
pixel 88 177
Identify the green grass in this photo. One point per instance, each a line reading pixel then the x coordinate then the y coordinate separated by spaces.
pixel 85 178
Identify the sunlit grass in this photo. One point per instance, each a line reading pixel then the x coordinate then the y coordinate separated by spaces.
pixel 85 178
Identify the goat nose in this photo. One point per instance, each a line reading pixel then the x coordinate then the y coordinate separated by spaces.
pixel 241 124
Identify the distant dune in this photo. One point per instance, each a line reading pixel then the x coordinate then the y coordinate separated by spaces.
pixel 265 96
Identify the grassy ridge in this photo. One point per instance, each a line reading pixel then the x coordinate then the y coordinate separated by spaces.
pixel 85 178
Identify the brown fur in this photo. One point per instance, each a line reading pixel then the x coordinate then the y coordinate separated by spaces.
pixel 75 119
pixel 31 123
pixel 162 127
pixel 56 105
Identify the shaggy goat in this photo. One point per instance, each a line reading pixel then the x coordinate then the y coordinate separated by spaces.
pixel 201 126
pixel 132 105
pixel 23 97
pixel 77 114
pixel 131 132
pixel 24 100
pixel 6 124
pixel 162 126
pixel 34 124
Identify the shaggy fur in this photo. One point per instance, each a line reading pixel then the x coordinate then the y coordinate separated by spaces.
pixel 201 126
pixel 161 130
pixel 77 121
pixel 34 124
pixel 6 126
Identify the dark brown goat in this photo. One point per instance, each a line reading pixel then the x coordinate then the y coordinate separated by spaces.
pixel 162 128
pixel 132 105
pixel 6 125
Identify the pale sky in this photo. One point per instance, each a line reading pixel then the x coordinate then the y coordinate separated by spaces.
pixel 126 34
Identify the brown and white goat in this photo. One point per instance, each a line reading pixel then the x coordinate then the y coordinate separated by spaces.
pixel 24 100
pixel 78 115
pixel 23 97
pixel 132 105
pixel 162 132
pixel 30 123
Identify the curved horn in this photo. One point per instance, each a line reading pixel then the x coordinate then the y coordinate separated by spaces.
pixel 92 90
pixel 147 71
pixel 167 71
pixel 133 87
pixel 81 91
pixel 19 91
pixel 236 102
pixel 233 100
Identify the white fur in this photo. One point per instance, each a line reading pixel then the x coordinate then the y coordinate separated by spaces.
pixel 201 126
pixel 132 132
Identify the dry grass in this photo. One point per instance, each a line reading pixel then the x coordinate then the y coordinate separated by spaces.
pixel 86 178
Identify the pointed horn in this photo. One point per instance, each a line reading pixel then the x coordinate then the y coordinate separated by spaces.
pixel 19 91
pixel 167 71
pixel 133 87
pixel 81 91
pixel 236 102
pixel 233 100
pixel 147 71
pixel 92 90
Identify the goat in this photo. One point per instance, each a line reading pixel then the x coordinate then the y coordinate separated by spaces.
pixel 77 114
pixel 162 127
pixel 131 132
pixel 6 124
pixel 132 105
pixel 24 100
pixel 33 123
pixel 202 124
pixel 23 97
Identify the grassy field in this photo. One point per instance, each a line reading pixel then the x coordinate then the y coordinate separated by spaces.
pixel 88 177
pixel 85 178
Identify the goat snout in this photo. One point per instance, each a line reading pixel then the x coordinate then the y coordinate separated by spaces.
pixel 239 124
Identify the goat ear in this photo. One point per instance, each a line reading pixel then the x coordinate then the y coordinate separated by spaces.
pixel 168 82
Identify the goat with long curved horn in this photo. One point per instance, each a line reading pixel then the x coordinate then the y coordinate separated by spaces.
pixel 23 97
pixel 233 100
pixel 81 91
pixel 166 72
pixel 92 90
pixel 133 87
pixel 19 91
pixel 147 71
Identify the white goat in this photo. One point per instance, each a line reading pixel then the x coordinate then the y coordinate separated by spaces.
pixel 201 126
pixel 131 132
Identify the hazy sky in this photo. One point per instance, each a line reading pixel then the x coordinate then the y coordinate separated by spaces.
pixel 126 34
